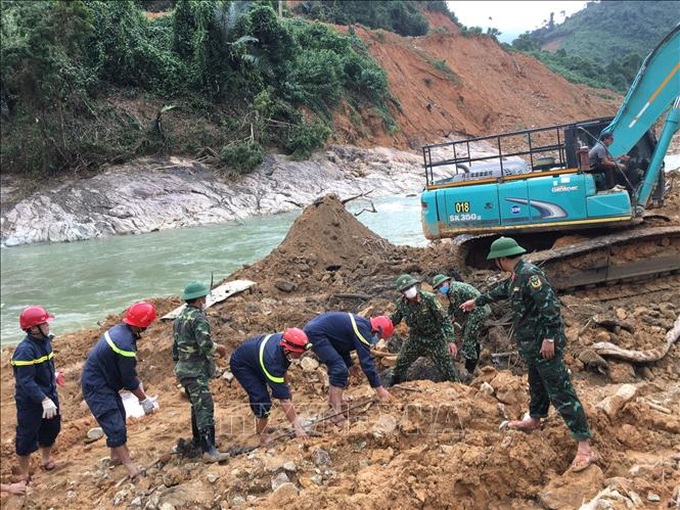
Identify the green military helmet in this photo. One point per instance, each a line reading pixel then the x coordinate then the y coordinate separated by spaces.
pixel 504 247
pixel 438 280
pixel 405 281
pixel 195 290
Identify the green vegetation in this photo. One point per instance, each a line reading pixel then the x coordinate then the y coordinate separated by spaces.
pixel 399 16
pixel 605 31
pixel 83 82
pixel 402 17
pixel 604 44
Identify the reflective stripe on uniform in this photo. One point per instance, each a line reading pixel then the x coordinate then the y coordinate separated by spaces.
pixel 356 330
pixel 279 380
pixel 116 349
pixel 21 363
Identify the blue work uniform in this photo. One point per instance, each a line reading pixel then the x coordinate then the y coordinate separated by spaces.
pixel 111 366
pixel 260 365
pixel 334 335
pixel 34 375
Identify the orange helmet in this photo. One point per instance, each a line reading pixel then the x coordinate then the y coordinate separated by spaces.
pixel 140 315
pixel 295 340
pixel 32 316
pixel 382 325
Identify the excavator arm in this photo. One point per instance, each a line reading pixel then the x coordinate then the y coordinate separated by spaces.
pixel 669 128
pixel 655 87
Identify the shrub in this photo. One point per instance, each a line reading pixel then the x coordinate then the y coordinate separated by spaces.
pixel 304 137
pixel 243 157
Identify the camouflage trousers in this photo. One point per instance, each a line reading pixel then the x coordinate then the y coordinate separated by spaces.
pixel 198 391
pixel 435 348
pixel 473 327
pixel 549 382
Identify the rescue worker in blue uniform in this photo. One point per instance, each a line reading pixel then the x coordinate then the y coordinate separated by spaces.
pixel 260 365
pixel 35 392
pixel 111 366
pixel 334 335
pixel 539 331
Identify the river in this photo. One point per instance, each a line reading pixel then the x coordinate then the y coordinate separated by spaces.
pixel 83 282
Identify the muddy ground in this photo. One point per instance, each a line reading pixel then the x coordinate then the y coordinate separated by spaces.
pixel 435 445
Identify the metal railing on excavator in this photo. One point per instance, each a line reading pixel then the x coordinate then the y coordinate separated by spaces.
pixel 518 152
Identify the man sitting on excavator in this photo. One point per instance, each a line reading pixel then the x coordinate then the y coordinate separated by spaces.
pixel 601 162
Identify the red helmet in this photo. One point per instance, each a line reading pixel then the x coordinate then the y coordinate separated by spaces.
pixel 140 314
pixel 382 325
pixel 32 316
pixel 295 340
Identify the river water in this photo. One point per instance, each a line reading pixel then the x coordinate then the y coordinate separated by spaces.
pixel 83 282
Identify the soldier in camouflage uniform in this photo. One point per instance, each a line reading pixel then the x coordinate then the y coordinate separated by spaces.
pixel 540 334
pixel 193 352
pixel 472 323
pixel 430 331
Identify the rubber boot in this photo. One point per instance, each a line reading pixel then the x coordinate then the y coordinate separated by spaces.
pixel 210 453
pixel 196 440
pixel 390 379
pixel 470 365
pixel 190 448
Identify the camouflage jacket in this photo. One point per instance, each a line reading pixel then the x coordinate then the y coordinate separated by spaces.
pixel 193 350
pixel 535 309
pixel 460 292
pixel 425 318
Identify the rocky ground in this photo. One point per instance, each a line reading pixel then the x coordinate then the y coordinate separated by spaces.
pixel 434 445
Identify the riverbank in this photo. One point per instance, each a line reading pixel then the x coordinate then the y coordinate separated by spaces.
pixel 149 194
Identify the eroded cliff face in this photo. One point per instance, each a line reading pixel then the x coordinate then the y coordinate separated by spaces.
pixel 450 86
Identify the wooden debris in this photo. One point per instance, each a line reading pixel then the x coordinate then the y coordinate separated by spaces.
pixel 650 355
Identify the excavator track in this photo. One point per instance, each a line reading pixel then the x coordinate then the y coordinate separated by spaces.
pixel 629 255
pixel 624 256
pixel 626 290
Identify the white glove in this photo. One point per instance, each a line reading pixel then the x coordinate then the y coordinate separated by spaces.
pixel 148 405
pixel 49 409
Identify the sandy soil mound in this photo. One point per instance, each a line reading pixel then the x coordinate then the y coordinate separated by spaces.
pixel 436 445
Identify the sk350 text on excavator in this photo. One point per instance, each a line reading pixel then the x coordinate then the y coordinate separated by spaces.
pixel 538 188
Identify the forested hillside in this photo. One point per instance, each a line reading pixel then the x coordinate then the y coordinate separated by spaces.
pixel 79 80
pixel 604 44
pixel 85 83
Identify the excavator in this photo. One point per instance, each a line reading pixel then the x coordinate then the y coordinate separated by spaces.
pixel 536 187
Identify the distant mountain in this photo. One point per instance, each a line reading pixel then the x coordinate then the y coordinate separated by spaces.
pixel 611 29
pixel 604 44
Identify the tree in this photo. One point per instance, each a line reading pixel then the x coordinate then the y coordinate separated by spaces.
pixel 41 46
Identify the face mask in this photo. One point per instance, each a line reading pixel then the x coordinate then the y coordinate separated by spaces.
pixel 410 293
pixel 375 338
pixel 444 290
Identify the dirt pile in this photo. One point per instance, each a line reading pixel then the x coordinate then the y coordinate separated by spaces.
pixel 435 445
